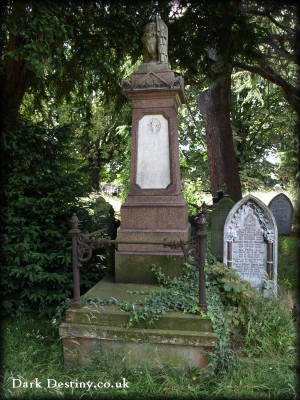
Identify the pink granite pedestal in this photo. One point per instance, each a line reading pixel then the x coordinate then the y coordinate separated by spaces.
pixel 155 210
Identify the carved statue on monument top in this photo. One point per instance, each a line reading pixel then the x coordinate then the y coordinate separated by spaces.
pixel 154 72
pixel 149 43
pixel 162 39
pixel 155 46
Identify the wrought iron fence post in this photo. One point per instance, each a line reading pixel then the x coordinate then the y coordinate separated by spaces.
pixel 74 232
pixel 202 234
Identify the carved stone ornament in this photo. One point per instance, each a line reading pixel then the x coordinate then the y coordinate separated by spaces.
pixel 265 225
pixel 155 41
pixel 153 80
pixel 154 125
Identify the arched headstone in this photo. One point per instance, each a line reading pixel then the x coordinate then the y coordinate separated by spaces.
pixel 250 244
pixel 218 217
pixel 282 209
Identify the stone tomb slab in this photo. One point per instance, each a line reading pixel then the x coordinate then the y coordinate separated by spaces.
pixel 282 209
pixel 178 338
pixel 250 244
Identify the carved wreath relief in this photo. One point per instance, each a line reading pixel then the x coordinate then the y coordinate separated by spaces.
pixel 154 125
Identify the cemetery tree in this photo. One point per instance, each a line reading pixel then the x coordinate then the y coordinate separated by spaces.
pixel 56 51
pixel 214 105
pixel 235 33
pixel 52 49
pixel 214 22
pixel 277 51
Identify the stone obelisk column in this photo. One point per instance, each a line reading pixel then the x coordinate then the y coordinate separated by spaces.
pixel 155 210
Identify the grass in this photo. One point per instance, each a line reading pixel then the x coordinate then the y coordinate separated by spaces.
pixel 32 350
pixel 288 262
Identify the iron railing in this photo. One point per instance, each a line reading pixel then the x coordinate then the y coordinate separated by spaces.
pixel 83 245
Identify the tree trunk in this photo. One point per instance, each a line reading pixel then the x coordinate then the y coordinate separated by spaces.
pixel 95 173
pixel 214 105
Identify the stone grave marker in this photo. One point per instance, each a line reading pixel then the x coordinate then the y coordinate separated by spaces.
pixel 218 217
pixel 250 244
pixel 282 210
pixel 155 210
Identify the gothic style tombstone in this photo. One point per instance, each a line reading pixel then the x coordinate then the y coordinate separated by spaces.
pixel 282 210
pixel 218 217
pixel 155 210
pixel 250 244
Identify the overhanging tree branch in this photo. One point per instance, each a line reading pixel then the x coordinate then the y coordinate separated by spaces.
pixel 281 50
pixel 291 93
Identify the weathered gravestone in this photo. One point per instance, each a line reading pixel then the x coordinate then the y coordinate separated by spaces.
pixel 104 217
pixel 282 209
pixel 218 217
pixel 155 210
pixel 250 244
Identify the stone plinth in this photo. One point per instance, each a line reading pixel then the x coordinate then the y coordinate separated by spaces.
pixel 155 210
pixel 178 338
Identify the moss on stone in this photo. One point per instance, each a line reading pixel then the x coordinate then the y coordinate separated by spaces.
pixel 137 268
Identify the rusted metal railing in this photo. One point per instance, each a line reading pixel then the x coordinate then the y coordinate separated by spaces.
pixel 83 245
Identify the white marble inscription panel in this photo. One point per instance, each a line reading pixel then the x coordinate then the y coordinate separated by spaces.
pixel 153 153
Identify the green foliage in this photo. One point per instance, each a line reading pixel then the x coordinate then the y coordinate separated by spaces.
pixel 177 294
pixel 232 305
pixel 288 262
pixel 192 143
pixel 236 294
pixel 32 348
pixel 265 326
pixel 73 49
pixel 192 192
pixel 181 294
pixel 262 125
pixel 288 170
pixel 270 329
pixel 42 191
pixel 222 359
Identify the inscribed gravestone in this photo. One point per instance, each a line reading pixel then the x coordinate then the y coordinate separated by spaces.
pixel 282 210
pixel 153 159
pixel 218 217
pixel 154 210
pixel 250 244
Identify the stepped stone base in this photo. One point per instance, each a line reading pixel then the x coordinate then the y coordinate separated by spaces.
pixel 160 220
pixel 176 338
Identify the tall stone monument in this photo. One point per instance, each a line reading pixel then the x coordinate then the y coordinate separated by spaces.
pixel 250 244
pixel 282 210
pixel 155 210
